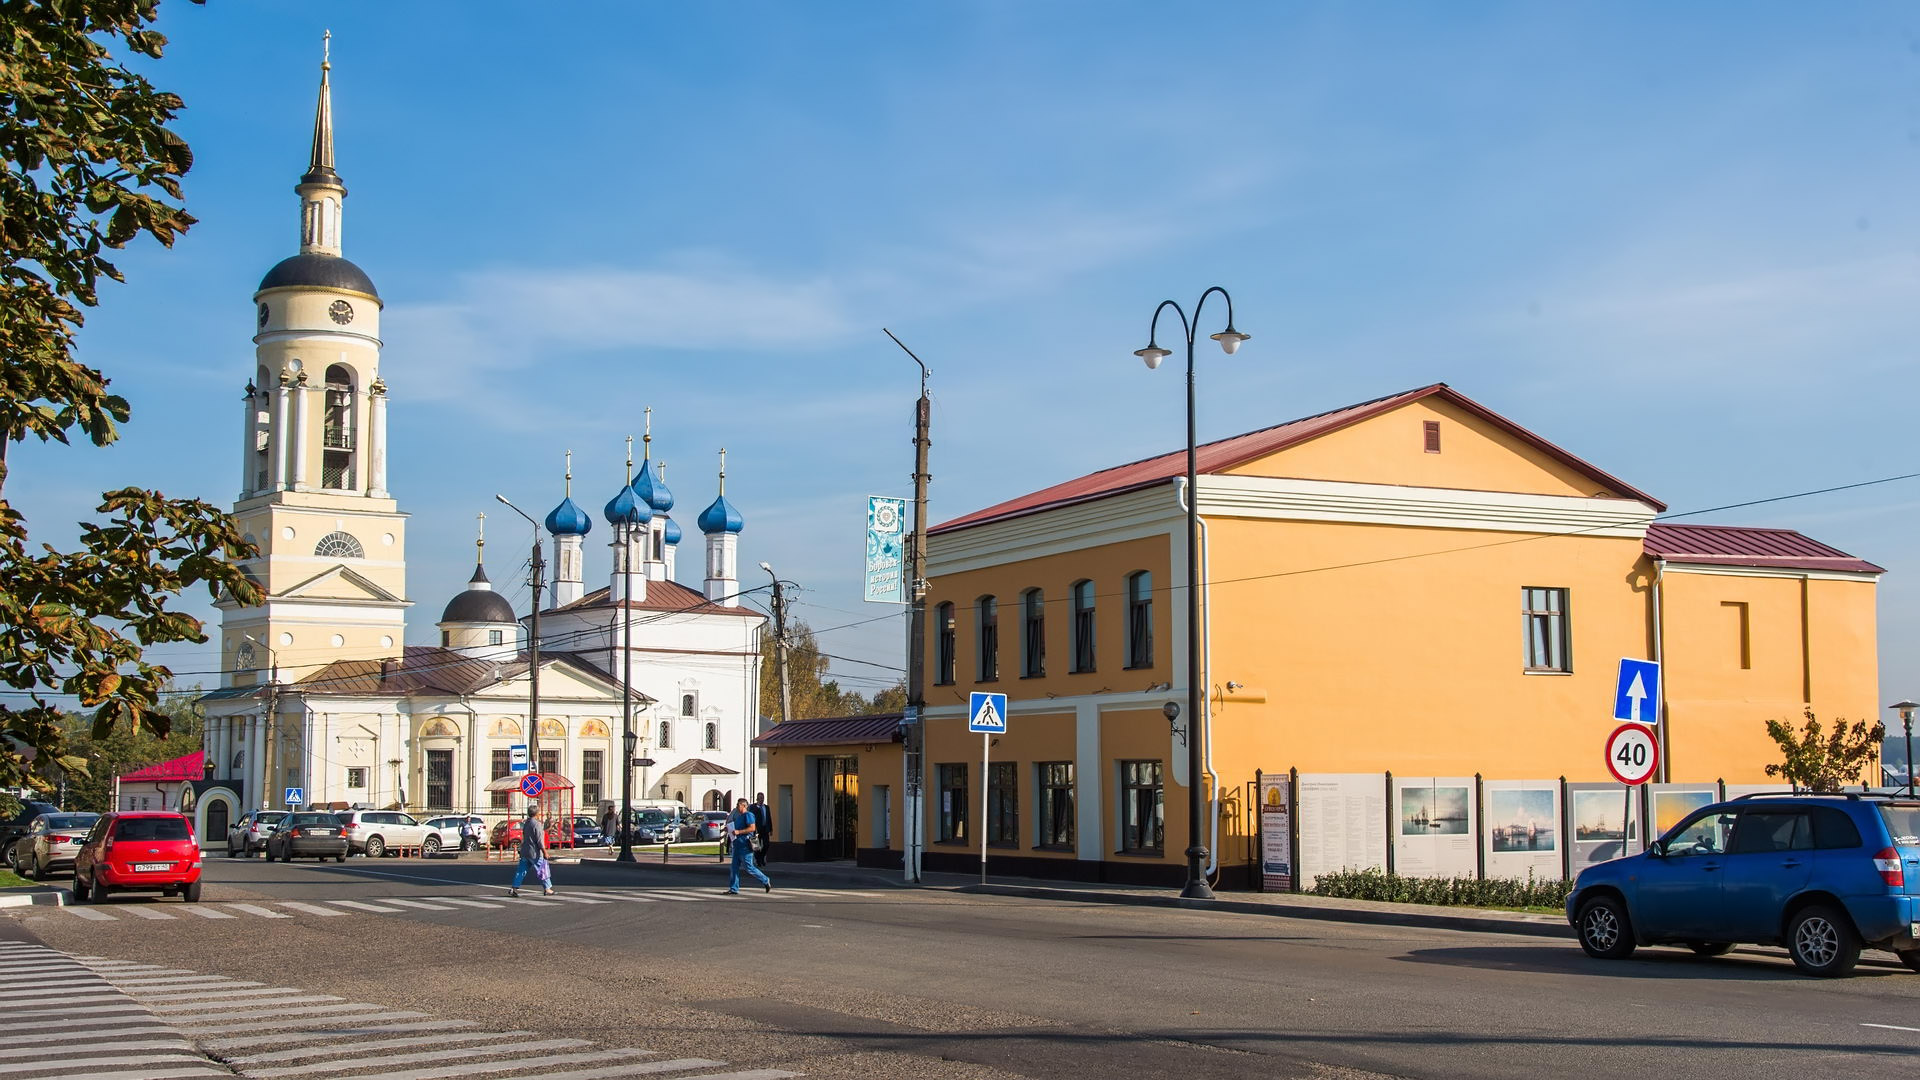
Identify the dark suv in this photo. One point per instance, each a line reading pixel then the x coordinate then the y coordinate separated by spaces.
pixel 1823 875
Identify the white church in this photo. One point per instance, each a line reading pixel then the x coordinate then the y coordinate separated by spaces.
pixel 321 693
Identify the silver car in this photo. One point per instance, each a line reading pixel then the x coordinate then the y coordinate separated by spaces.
pixel 460 832
pixel 249 834
pixel 381 832
pixel 51 842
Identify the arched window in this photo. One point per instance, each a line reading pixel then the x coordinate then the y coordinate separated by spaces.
pixel 689 705
pixel 1140 619
pixel 1083 655
pixel 666 735
pixel 987 639
pixel 336 431
pixel 713 736
pixel 943 657
pixel 339 545
pixel 1033 634
pixel 262 429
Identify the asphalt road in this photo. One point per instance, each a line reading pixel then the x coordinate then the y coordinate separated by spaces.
pixel 871 982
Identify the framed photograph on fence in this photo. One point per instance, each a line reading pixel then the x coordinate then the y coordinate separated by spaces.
pixel 1521 829
pixel 1434 827
pixel 1603 822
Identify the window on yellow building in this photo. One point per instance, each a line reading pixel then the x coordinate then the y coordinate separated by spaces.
pixel 496 637
pixel 1544 612
pixel 1742 630
pixel 1033 634
pixel 1142 810
pixel 502 765
pixel 1083 654
pixel 943 660
pixel 591 765
pixel 953 803
pixel 1055 789
pixel 1140 619
pixel 987 639
pixel 1003 804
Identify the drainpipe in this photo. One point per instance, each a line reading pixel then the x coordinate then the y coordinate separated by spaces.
pixel 1206 656
pixel 1659 657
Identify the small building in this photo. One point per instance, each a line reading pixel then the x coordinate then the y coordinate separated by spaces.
pixel 166 786
pixel 1412 585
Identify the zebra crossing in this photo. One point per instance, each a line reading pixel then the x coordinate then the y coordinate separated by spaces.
pixel 154 911
pixel 121 1020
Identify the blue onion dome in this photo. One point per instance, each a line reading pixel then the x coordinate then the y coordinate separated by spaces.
pixel 653 489
pixel 672 531
pixel 568 519
pixel 627 508
pixel 720 517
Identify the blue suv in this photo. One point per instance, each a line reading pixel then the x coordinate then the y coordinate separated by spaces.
pixel 1823 875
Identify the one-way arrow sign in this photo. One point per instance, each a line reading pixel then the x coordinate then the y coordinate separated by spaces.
pixel 1636 697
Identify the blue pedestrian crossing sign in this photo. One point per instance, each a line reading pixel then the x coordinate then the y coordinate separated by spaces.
pixel 987 713
pixel 296 797
pixel 1636 698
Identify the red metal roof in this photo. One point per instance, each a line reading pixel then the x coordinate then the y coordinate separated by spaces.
pixel 1734 545
pixel 1218 456
pixel 191 767
pixel 662 596
pixel 834 731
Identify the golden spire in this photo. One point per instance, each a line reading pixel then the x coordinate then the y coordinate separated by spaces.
pixel 322 157
pixel 480 541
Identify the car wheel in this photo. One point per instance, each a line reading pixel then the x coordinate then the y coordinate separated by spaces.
pixel 1605 932
pixel 1909 957
pixel 430 846
pixel 27 869
pixel 13 859
pixel 376 847
pixel 339 858
pixel 1822 942
pixel 191 894
pixel 80 890
pixel 1710 948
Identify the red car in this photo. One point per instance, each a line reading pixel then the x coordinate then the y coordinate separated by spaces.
pixel 146 852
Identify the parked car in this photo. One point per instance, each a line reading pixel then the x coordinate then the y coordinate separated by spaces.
pixel 309 834
pixel 463 832
pixel 138 851
pixel 586 832
pixel 12 831
pixel 708 825
pixel 249 832
pixel 377 832
pixel 1824 876
pixel 51 843
pixel 506 833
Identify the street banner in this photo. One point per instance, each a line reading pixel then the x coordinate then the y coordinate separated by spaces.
pixel 1276 832
pixel 886 531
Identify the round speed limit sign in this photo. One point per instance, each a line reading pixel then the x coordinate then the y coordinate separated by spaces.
pixel 1632 754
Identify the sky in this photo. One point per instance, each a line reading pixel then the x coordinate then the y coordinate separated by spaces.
pixel 1682 243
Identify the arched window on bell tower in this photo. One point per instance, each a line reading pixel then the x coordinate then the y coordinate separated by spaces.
pixel 337 434
pixel 262 429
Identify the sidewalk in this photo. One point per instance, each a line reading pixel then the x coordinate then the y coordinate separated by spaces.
pixel 1284 905
pixel 33 896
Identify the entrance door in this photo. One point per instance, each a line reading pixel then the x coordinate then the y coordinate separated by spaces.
pixel 837 805
pixel 216 818
pixel 440 779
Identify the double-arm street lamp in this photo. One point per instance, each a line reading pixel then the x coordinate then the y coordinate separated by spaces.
pixel 1230 341
pixel 1905 709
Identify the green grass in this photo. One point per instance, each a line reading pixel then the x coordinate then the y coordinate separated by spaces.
pixel 11 880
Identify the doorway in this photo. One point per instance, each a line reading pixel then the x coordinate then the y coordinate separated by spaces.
pixel 837 805
pixel 217 819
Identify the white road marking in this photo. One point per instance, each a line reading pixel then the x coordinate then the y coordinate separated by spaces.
pixel 81 1011
pixel 161 1074
pixel 72 1058
pixel 631 898
pixel 149 913
pixel 220 1019
pixel 139 1026
pixel 168 986
pixel 330 1032
pixel 286 1032
pixel 468 1068
pixel 640 1069
pixel 311 909
pixel 492 905
pixel 346 1064
pixel 118 1045
pixel 437 1039
pixel 1891 1027
pixel 264 913
pixel 221 1001
pixel 359 906
pixel 570 898
pixel 89 913
pixel 207 912
pixel 414 904
pixel 223 995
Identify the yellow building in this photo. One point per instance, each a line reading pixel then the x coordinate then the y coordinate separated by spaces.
pixel 1413 585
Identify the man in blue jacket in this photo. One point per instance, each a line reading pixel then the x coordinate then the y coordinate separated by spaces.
pixel 740 830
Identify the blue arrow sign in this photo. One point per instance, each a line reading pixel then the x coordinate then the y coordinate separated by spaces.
pixel 987 713
pixel 1637 697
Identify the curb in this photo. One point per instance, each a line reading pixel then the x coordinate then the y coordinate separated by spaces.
pixel 35 898
pixel 863 878
pixel 1525 925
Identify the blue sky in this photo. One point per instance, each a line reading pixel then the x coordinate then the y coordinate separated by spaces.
pixel 1681 243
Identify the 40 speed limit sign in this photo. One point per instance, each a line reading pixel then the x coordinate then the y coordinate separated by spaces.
pixel 1632 754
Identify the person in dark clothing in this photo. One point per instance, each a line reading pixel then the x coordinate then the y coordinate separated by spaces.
pixel 741 828
pixel 763 827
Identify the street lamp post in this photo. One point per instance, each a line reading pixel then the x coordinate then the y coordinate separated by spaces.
pixel 1230 341
pixel 1905 709
pixel 533 639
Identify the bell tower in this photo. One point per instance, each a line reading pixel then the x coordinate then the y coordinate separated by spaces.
pixel 313 466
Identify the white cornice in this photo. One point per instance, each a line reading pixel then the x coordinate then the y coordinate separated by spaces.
pixel 317 335
pixel 1441 508
pixel 1795 573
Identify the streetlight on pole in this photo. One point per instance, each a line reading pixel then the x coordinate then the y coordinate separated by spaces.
pixel 533 640
pixel 780 644
pixel 1905 709
pixel 270 727
pixel 1230 341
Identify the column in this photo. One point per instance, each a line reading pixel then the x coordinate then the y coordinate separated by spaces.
pixel 301 431
pixel 1088 771
pixel 256 771
pixel 247 449
pixel 277 439
pixel 377 440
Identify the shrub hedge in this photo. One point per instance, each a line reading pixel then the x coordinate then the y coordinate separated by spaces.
pixel 1372 884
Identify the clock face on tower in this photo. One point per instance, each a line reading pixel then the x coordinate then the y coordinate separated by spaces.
pixel 263 316
pixel 341 312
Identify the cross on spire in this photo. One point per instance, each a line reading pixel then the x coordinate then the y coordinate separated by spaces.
pixel 569 491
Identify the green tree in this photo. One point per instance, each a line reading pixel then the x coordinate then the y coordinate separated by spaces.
pixel 122 750
pixel 1823 761
pixel 87 164
pixel 815 695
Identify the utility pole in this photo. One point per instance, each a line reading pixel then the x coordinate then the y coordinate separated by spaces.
pixel 780 643
pixel 914 732
pixel 533 640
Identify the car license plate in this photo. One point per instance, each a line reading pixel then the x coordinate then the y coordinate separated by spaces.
pixel 152 866
pixel 321 832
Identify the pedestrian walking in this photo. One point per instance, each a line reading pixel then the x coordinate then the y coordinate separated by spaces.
pixel 762 827
pixel 533 854
pixel 741 829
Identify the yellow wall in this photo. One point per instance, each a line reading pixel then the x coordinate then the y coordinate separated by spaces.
pixel 1031 738
pixel 1391 449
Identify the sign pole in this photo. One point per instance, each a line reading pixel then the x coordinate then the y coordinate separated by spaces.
pixel 986 747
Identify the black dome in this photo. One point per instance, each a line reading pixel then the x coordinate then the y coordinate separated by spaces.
pixel 478 606
pixel 319 271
